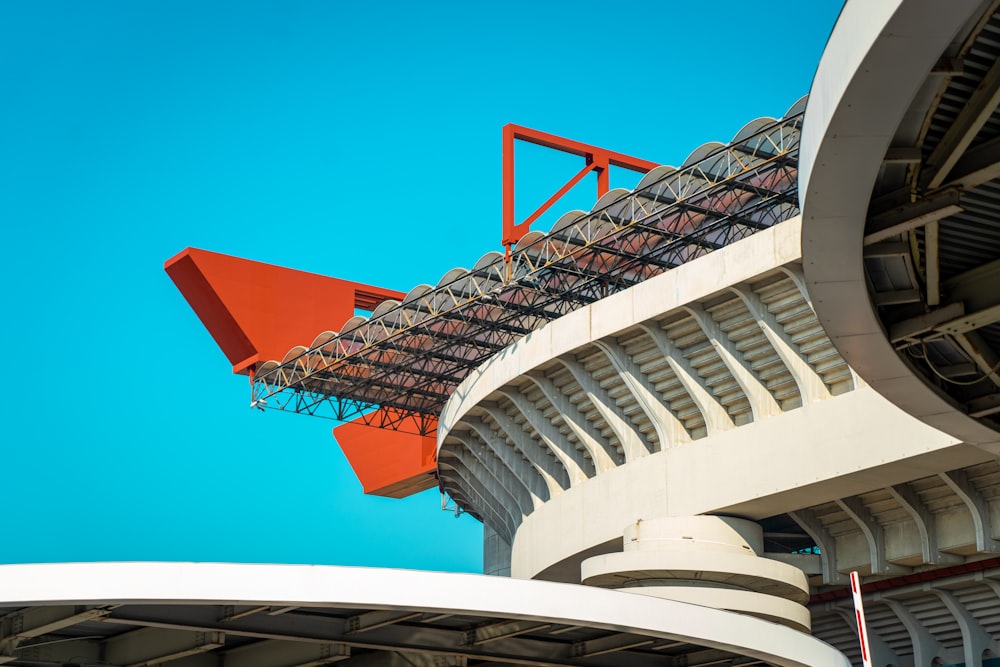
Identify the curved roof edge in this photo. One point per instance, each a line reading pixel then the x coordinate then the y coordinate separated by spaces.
pixel 321 585
pixel 877 57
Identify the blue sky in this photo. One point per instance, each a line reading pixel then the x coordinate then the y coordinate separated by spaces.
pixel 360 140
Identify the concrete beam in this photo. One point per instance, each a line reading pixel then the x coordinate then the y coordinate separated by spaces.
pixel 811 385
pixel 762 402
pixel 715 415
pixel 538 481
pixel 908 499
pixel 881 652
pixel 975 639
pixel 873 533
pixel 527 501
pixel 601 452
pixel 484 502
pixel 632 443
pixel 541 457
pixel 926 649
pixel 670 431
pixel 490 481
pixel 827 544
pixel 978 507
pixel 578 467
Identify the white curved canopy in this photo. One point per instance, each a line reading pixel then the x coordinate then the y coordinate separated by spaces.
pixel 124 596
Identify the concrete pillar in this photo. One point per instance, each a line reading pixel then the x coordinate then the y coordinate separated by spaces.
pixel 496 554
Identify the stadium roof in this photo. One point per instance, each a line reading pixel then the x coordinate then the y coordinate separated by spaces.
pixel 397 368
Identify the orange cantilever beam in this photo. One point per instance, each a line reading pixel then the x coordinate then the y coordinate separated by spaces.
pixel 257 312
pixel 388 463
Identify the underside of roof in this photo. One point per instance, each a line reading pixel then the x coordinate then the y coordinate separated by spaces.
pixel 933 236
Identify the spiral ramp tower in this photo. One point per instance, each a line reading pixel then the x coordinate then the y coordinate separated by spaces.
pixel 683 417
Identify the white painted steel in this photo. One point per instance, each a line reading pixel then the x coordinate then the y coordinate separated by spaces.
pixel 300 585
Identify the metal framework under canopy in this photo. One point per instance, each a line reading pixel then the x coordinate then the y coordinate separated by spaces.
pixel 397 369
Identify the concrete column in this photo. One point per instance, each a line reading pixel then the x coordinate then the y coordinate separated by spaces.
pixel 496 554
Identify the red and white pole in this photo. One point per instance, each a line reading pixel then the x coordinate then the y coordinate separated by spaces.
pixel 859 610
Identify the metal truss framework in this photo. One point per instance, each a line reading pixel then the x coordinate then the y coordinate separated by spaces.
pixel 397 369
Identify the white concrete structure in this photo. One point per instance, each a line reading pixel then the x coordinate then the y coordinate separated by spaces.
pixel 201 615
pixel 684 472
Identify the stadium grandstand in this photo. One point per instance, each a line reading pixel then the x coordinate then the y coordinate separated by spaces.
pixel 685 418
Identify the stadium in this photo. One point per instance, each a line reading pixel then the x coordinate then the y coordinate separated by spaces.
pixel 683 417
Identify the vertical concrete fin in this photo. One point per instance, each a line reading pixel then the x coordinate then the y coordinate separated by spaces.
pixel 715 416
pixel 601 452
pixel 527 501
pixel 633 445
pixel 874 535
pixel 669 429
pixel 762 402
pixel 810 384
pixel 577 466
pixel 539 456
pixel 540 483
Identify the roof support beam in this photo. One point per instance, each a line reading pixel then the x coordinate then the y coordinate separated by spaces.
pixel 909 216
pixel 964 128
pixel 278 653
pixel 155 646
pixel 984 406
pixel 979 165
pixel 981 353
pixel 501 630
pixel 932 264
pixel 915 327
pixel 412 640
pixel 609 644
pixel 37 621
pixel 372 620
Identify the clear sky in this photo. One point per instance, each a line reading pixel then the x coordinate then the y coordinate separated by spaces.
pixel 360 140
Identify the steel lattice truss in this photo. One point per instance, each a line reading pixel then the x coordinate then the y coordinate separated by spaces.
pixel 397 369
